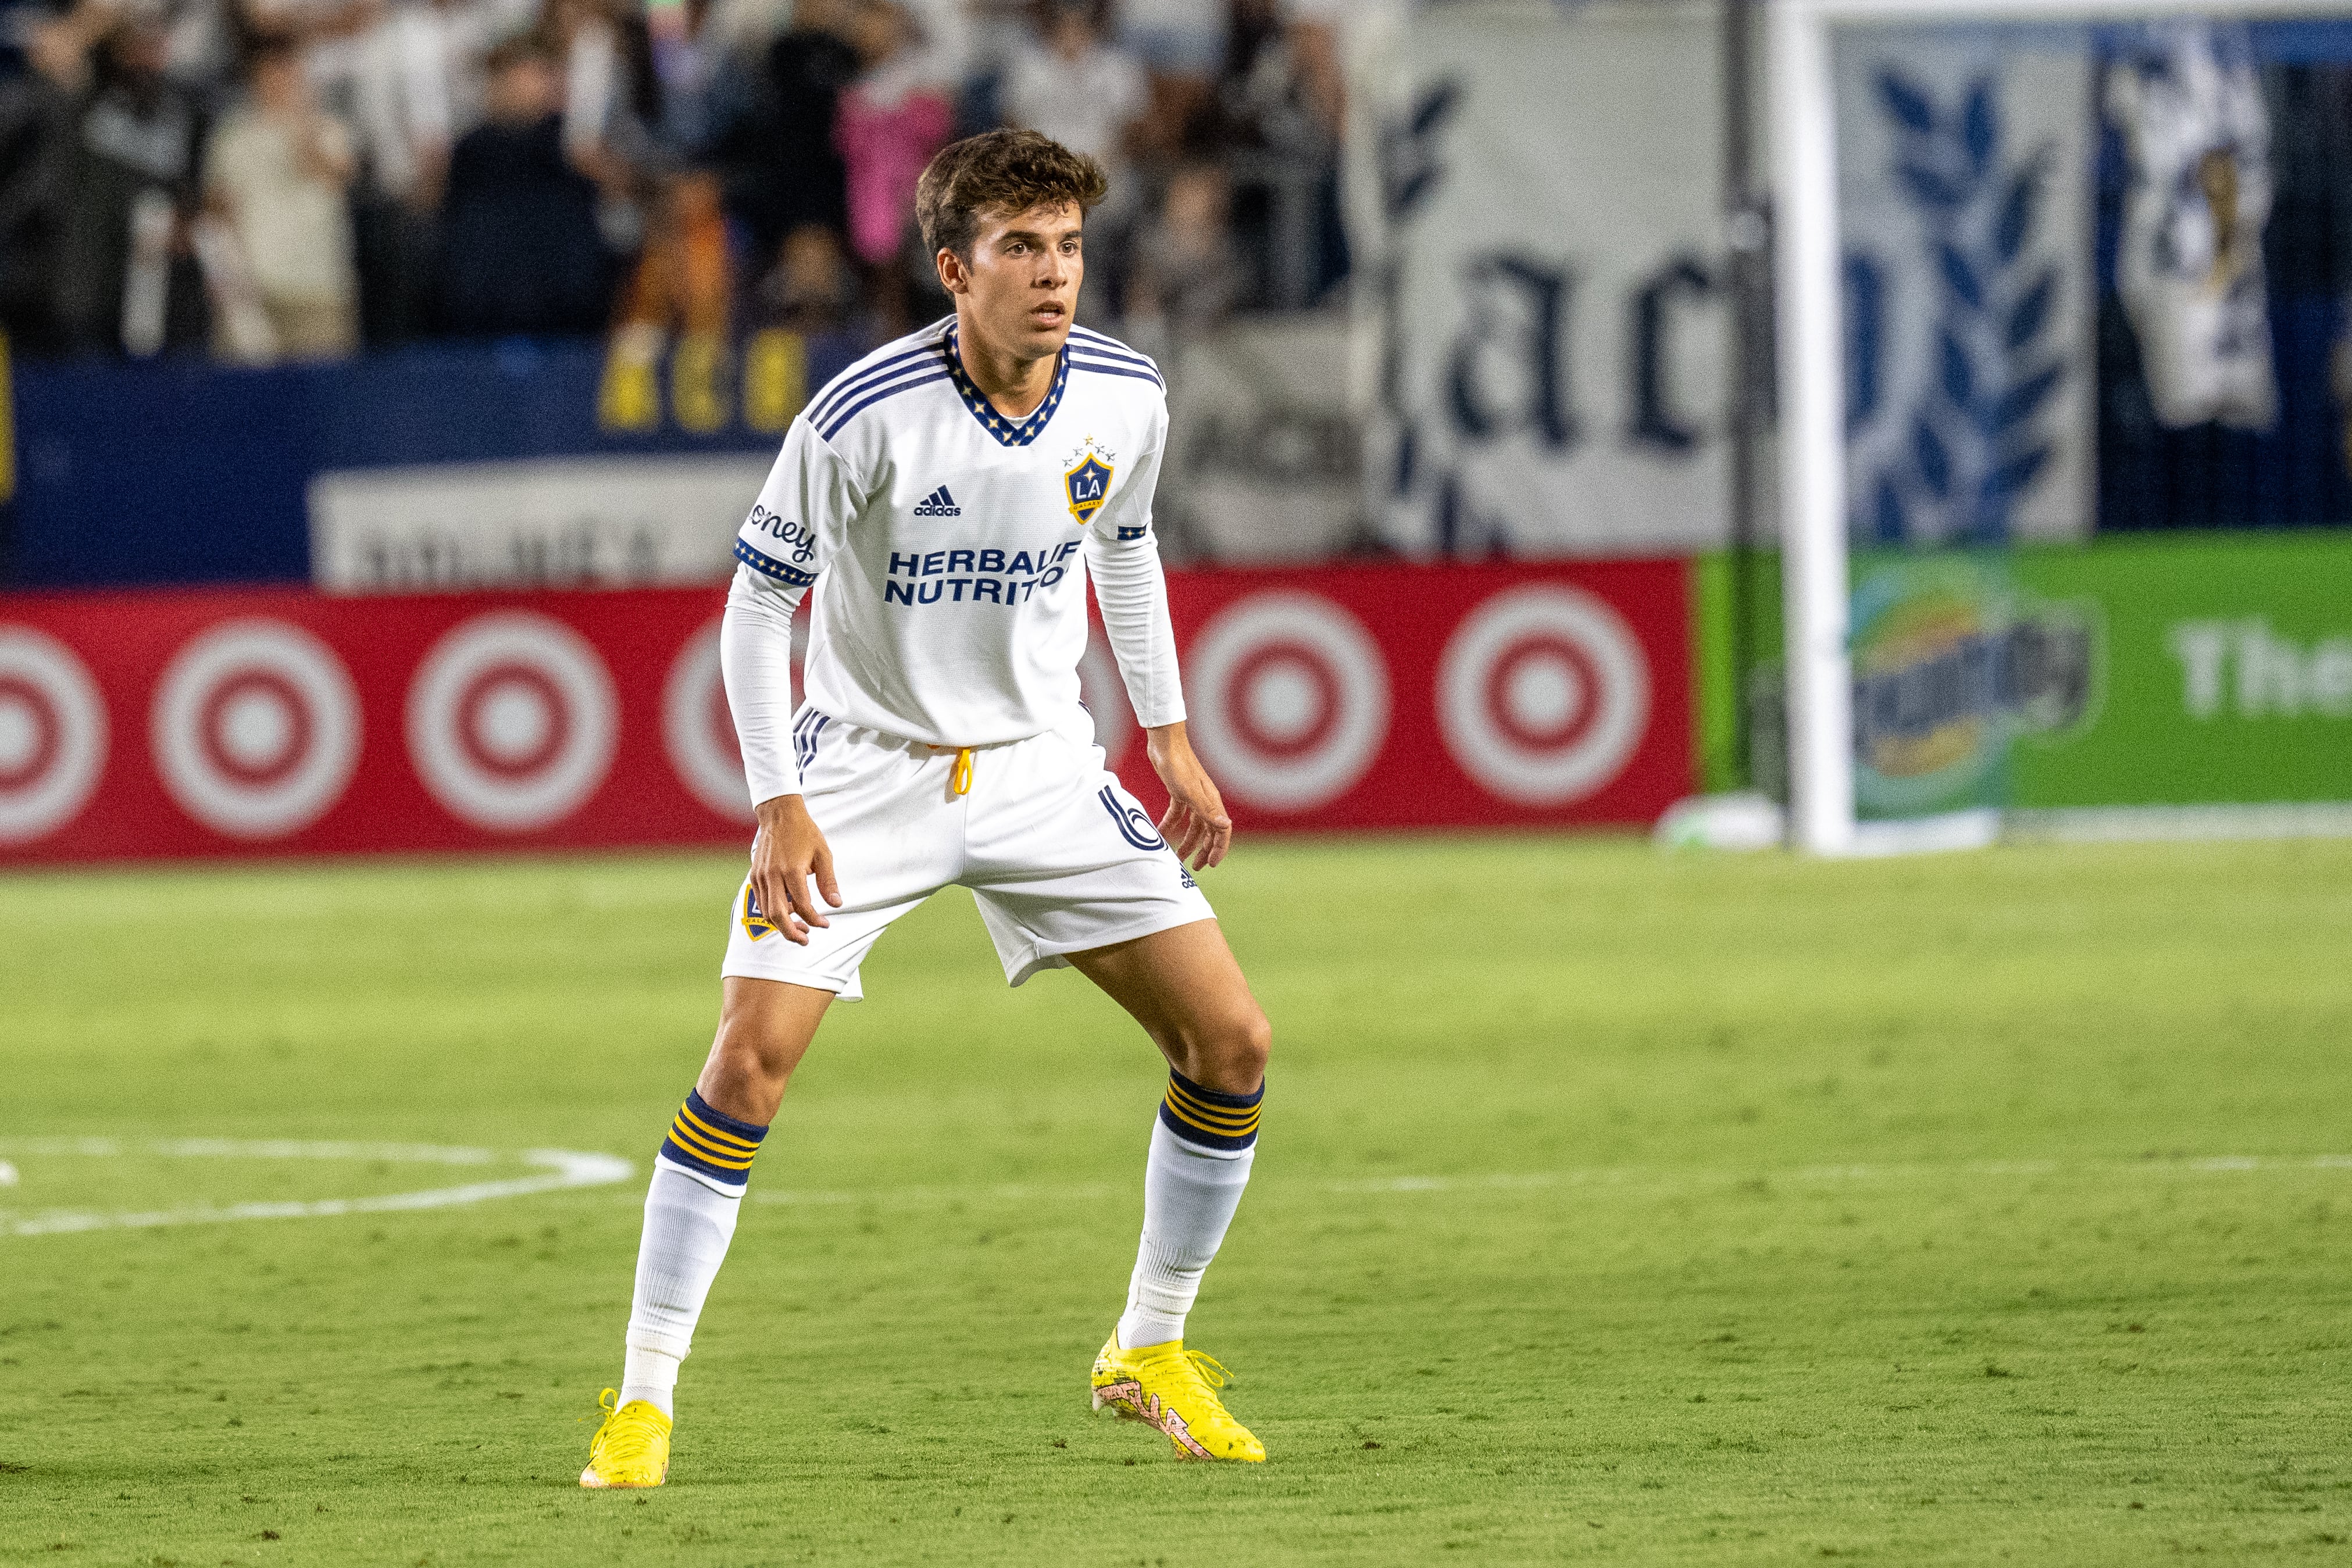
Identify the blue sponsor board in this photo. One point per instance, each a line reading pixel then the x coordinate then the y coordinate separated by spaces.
pixel 184 472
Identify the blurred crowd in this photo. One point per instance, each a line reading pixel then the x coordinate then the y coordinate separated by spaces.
pixel 272 180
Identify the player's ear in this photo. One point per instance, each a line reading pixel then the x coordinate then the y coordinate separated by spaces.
pixel 954 277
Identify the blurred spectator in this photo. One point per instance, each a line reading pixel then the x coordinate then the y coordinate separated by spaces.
pixel 776 154
pixel 200 46
pixel 420 88
pixel 522 251
pixel 1317 29
pixel 689 60
pixel 1262 96
pixel 745 28
pixel 611 100
pixel 1320 33
pixel 1086 94
pixel 805 121
pixel 124 275
pixel 813 289
pixel 1182 43
pixel 1186 276
pixel 685 281
pixel 1279 147
pixel 277 171
pixel 330 36
pixel 899 112
pixel 38 118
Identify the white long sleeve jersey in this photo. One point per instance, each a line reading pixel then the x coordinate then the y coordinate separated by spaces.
pixel 949 548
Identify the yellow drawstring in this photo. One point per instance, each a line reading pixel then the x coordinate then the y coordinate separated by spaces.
pixel 960 782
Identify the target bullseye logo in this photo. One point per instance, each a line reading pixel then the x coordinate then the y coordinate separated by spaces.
pixel 699 731
pixel 1543 692
pixel 1290 698
pixel 512 721
pixel 52 735
pixel 255 729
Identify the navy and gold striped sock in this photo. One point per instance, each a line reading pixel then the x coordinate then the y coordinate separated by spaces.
pixel 1205 1117
pixel 712 1143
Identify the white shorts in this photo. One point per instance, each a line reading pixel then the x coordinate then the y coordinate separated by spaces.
pixel 1058 857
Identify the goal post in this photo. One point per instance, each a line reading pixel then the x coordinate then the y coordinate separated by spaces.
pixel 1811 369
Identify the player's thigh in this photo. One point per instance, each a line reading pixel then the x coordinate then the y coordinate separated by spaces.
pixel 1186 989
pixel 765 1026
pixel 1061 859
pixel 895 840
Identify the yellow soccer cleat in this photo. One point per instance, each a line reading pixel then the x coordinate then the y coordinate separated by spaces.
pixel 631 1449
pixel 1174 1389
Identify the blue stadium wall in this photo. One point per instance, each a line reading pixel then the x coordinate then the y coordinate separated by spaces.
pixel 185 471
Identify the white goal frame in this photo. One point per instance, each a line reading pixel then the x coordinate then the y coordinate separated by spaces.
pixel 1811 366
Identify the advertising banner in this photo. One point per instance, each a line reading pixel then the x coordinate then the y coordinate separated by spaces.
pixel 193 722
pixel 1264 457
pixel 2223 672
pixel 547 522
pixel 1401 696
pixel 1953 665
pixel 1964 211
pixel 2183 672
pixel 2212 670
pixel 1552 326
pixel 283 722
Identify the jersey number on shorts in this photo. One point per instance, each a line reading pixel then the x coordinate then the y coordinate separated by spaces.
pixel 1134 824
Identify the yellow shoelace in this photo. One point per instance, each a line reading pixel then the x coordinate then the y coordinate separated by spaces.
pixel 628 1443
pixel 1207 1371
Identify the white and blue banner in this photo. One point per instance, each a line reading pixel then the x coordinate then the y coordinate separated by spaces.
pixel 1970 298
pixel 1535 209
pixel 2188 104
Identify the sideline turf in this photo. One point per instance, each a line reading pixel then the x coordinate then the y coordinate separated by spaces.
pixel 1612 1207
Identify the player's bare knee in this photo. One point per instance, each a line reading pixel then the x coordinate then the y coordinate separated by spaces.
pixel 1230 1056
pixel 1256 1046
pixel 749 1055
pixel 749 1066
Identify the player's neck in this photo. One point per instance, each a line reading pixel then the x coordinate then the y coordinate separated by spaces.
pixel 1013 385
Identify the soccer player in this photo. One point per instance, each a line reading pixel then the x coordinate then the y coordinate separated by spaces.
pixel 947 500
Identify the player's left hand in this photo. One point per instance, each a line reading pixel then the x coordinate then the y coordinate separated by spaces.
pixel 1195 826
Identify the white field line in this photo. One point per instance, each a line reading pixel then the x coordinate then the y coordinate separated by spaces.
pixel 559 1168
pixel 565 1168
pixel 257 1149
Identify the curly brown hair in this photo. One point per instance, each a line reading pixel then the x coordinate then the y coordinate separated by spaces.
pixel 1004 171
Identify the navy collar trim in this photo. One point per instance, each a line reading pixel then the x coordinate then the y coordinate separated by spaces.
pixel 1009 432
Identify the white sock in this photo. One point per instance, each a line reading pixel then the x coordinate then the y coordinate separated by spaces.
pixel 688 1226
pixel 1190 1194
pixel 649 1375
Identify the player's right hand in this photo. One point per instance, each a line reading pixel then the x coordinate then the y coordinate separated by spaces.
pixel 789 850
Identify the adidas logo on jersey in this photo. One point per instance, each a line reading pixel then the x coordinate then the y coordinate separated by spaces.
pixel 938 504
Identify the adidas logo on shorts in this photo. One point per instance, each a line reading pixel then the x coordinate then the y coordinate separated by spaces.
pixel 938 504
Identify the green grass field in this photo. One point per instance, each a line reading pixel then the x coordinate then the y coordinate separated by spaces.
pixel 1611 1208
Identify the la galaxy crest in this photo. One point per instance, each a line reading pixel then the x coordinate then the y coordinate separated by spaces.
pixel 1087 480
pixel 756 925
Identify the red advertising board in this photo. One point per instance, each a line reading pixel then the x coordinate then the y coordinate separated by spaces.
pixel 280 722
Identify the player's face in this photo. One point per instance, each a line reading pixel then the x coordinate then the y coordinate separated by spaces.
pixel 1021 287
